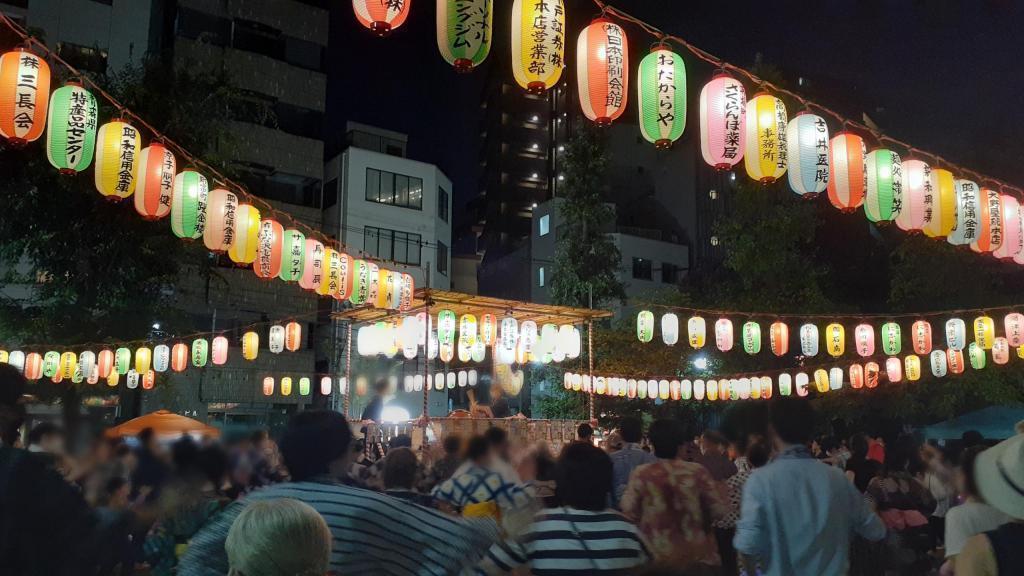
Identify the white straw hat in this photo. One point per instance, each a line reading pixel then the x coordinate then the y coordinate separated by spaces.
pixel 999 472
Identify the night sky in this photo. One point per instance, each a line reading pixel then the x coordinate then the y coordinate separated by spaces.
pixel 944 75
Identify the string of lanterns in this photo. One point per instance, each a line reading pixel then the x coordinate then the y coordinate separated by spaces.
pixel 68 121
pixel 890 334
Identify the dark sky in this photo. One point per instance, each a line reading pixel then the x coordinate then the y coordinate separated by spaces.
pixel 945 75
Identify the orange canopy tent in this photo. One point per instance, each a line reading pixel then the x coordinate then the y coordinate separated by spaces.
pixel 163 423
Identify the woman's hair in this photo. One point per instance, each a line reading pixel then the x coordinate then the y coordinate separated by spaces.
pixel 583 477
pixel 281 537
pixel 967 458
pixel 400 467
pixel 757 454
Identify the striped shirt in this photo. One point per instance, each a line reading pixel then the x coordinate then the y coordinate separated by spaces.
pixel 373 534
pixel 566 541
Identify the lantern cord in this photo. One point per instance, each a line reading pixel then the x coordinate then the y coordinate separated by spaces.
pixel 753 78
pixel 264 206
pixel 826 317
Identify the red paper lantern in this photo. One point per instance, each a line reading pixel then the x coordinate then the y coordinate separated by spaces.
pixel 847 171
pixel 778 338
pixel 269 246
pixel 180 356
pixel 871 370
pixel 292 336
pixel 921 337
pixel 24 96
pixel 155 183
pixel 104 362
pixel 381 16
pixel 219 350
pixel 856 376
pixel 602 70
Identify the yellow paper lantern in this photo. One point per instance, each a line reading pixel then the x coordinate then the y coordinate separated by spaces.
pixel 984 332
pixel 286 386
pixel 251 346
pixel 765 156
pixel 246 237
pixel 117 159
pixel 696 329
pixel 143 359
pixel 835 339
pixel 912 368
pixel 538 43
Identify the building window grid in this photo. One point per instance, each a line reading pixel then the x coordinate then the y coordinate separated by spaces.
pixel 383 187
pixel 442 258
pixel 442 203
pixel 393 245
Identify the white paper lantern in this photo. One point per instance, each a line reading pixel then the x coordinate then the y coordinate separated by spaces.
pixel 968 211
pixel 956 334
pixel 463 378
pixel 325 386
pixel 807 154
pixel 417 383
pixel 698 390
pixel 407 382
pixel 670 329
pixel 835 378
pixel 132 379
pixel 275 341
pixel 801 383
pixel 439 381
pixel 472 377
pixel 450 380
pixel 938 362
pixel 87 361
pixel 528 335
pixel 17 359
pixel 785 384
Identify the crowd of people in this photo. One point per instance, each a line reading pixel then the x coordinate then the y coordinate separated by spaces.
pixel 777 502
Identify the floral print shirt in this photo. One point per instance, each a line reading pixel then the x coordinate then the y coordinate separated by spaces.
pixel 674 503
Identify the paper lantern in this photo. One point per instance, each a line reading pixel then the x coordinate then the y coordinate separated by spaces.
pixel 467 329
pixel 891 339
pixel 912 368
pixel 884 195
pixel 652 389
pixel 847 175
pixel 538 43
pixel 24 95
pixel 568 340
pixel 674 389
pixel 670 329
pixel 699 389
pixel 488 329
pixel 464 32
pixel 765 153
pixel 696 329
pixel 219 350
pixel 462 378
pixel 686 389
pixel 942 219
pixel 292 336
pixel 473 377
pixel 446 352
pixel 104 362
pixel 331 281
pixel 864 339
pixel 251 342
pixel 446 327
pixel 366 344
pixel 269 248
pixel 16 358
pixel 304 387
pixel 200 352
pixel 148 380
pixel 77 376
pixel 602 70
pixel 835 378
pixel 576 382
pixel 360 282
pixel 68 364
pixel 809 340
pixel 325 385
pixel 968 213
pixel 509 333
pixel 937 359
pixel 894 369
pixel 976 355
pixel 1013 234
pixel 785 384
pixel 361 386
pixel 745 390
pixel 661 96
pixel 390 287
pixel 450 380
pixel 478 352
pixel 113 378
pixel 345 274
pixel 286 386
pixel 188 204
pixel 143 359
pixel 433 347
pixel 548 339
pixel 528 335
pixel 871 372
pixel 856 376
pixel 408 292
pixel 33 366
pixel 1013 324
pixel 51 363
pixel 179 357
pixel 122 360
pixel 86 362
pixel 921 337
pixel 381 16
pixel 778 338
pixel 956 334
pixel 246 237
pixel 220 226
pixel 71 128
pixel 275 340
pixel 919 185
pixel 751 337
pixel 117 160
pixel 293 255
pixel 1000 350
pixel 373 285
pixel 955 359
pixel 807 154
pixel 313 265
pixel 835 339
pixel 984 332
pixel 154 188
pixel 710 390
pixel 723 334
pixel 821 380
pixel 990 222
pixel 723 122
pixel 645 326
pixel 132 380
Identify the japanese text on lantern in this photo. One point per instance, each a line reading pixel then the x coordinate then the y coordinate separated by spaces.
pixel 929 198
pixel 769 140
pixel 167 187
pixel 733 108
pixel 26 93
pixel 968 206
pixel 821 150
pixel 126 173
pixel 80 117
pixel 666 86
pixel 995 218
pixel 613 58
pixel 547 36
pixel 897 184
pixel 472 24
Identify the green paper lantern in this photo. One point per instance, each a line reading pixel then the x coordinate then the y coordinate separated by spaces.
pixel 752 338
pixel 200 352
pixel 122 360
pixel 662 96
pixel 884 185
pixel 51 363
pixel 71 128
pixel 645 326
pixel 304 386
pixel 360 282
pixel 977 356
pixel 293 256
pixel 446 327
pixel 891 335
pixel 188 204
pixel 464 32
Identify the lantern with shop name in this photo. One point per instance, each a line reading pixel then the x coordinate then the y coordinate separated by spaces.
pixel 670 329
pixel 785 384
pixel 286 386
pixel 835 339
pixel 509 333
pixel 1013 324
pixel 246 238
pixel 937 359
pixel 86 362
pixel 847 171
pixel 835 378
pixel 696 330
pixel 381 16
pixel 71 128
pixel 251 344
pixel 1013 235
pixel 892 343
pixel 467 329
pixel 751 336
pixel 661 96
pixel 723 334
pixel 856 376
pixel 132 379
pixel 464 32
pixel 446 327
pixel 912 367
pixel 268 386
pixel 33 366
pixel 154 186
pixel 765 154
pixel 864 339
pixel 809 340
pixel 143 359
pixel 968 213
pixel 921 337
pixel 24 95
pixel 16 358
pixel 955 359
pixel 528 335
pixel 179 357
pixel 161 357
pixel 976 355
pixel 488 329
pixel 1018 256
pixel 304 388
pixel 275 339
pixel 538 43
pixel 645 326
pixel 674 391
pixel 332 273
pixel 360 282
pixel 219 350
pixel 1000 350
pixel 446 352
pixel 871 372
pixel 221 210
pixel 269 247
pixel 292 336
pixel 990 222
pixel 68 364
pixel 293 255
pixel 723 122
pixel 984 332
pixel 188 204
pixel 942 218
pixel 104 362
pixel 51 363
pixel 602 70
pixel 894 369
pixel 821 380
pixel 778 338
pixel 122 360
pixel 807 154
pixel 313 265
pixel 956 334
pixel 148 380
pixel 884 185
pixel 200 352
pixel 478 351
pixel 919 185
pixel 325 384
pixel 117 160
pixel 407 293
pixel 710 390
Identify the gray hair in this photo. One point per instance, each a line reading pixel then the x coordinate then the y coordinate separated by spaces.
pixel 281 537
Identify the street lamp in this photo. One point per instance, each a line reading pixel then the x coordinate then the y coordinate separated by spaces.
pixel 700 363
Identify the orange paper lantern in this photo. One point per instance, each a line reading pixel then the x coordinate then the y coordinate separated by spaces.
pixel 602 70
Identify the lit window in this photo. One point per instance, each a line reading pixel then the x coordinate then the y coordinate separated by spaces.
pixel 545 224
pixel 540 276
pixel 714 240
pixel 713 194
